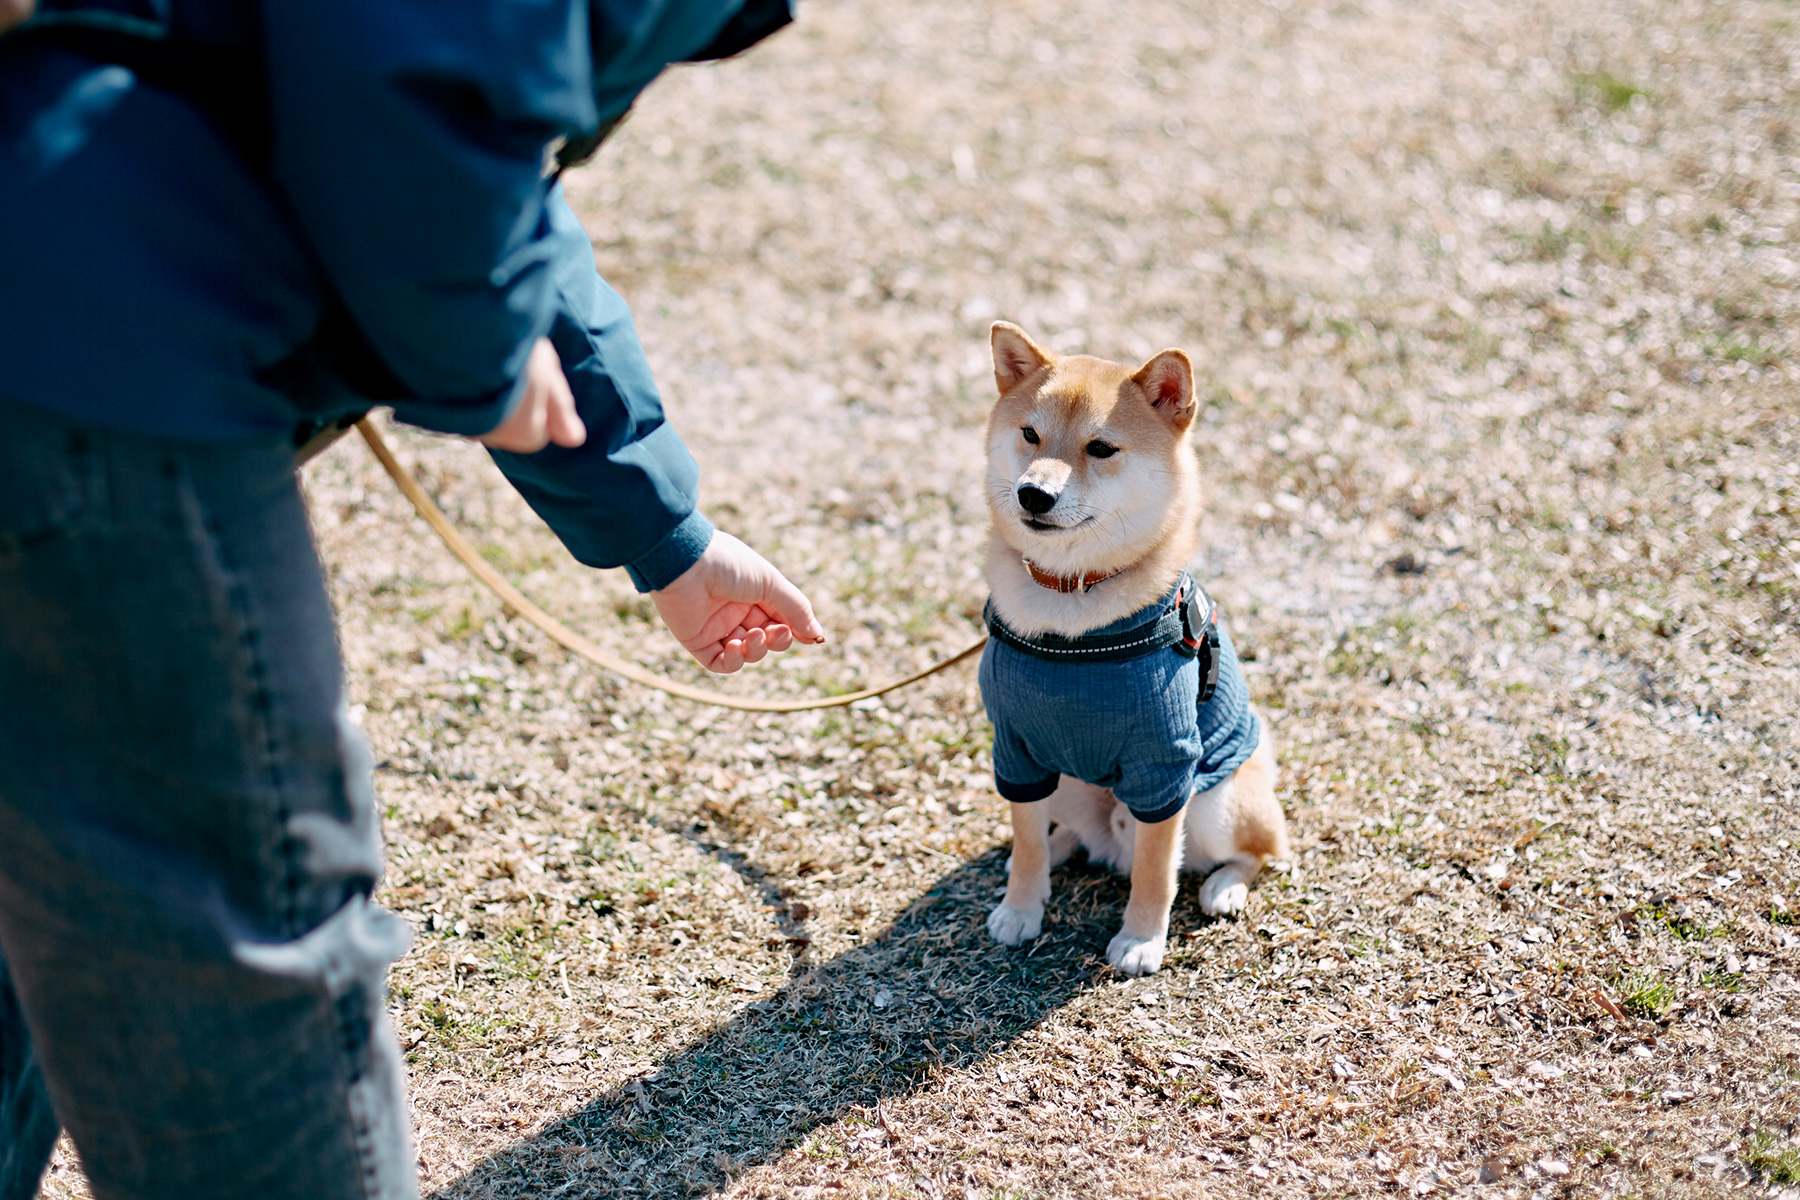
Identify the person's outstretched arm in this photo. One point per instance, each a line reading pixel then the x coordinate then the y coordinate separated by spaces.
pixel 625 494
pixel 409 138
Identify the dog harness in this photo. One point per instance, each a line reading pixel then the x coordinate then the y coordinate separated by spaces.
pixel 1153 706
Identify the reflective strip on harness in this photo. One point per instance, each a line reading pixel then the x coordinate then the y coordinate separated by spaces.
pixel 1189 627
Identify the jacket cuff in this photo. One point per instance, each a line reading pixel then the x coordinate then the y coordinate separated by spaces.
pixel 1025 793
pixel 671 557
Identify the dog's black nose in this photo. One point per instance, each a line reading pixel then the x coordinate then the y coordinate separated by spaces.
pixel 1035 500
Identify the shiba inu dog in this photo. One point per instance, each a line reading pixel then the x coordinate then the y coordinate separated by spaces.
pixel 1122 722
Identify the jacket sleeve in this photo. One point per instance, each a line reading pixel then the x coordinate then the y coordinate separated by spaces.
pixel 409 137
pixel 625 497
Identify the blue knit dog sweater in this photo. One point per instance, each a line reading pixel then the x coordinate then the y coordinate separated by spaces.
pixel 1133 726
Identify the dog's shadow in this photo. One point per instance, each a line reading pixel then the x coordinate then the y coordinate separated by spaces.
pixel 931 992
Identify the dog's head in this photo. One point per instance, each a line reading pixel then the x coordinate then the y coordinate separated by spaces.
pixel 1086 458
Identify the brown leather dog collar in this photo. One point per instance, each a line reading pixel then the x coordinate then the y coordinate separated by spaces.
pixel 1066 583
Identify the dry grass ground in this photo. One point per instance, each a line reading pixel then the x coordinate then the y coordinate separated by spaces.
pixel 1495 303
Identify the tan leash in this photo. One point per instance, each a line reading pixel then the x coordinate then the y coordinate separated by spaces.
pixel 568 638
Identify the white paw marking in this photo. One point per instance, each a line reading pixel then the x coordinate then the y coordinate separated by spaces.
pixel 1136 956
pixel 1010 925
pixel 1224 895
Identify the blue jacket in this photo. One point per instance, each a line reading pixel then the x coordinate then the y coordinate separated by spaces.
pixel 159 273
pixel 1135 726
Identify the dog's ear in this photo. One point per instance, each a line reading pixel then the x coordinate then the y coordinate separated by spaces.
pixel 1168 380
pixel 1016 356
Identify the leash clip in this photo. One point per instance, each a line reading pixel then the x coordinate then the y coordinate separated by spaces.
pixel 1199 634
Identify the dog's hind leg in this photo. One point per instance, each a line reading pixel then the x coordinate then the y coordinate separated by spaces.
pixel 1020 916
pixel 1227 890
pixel 1081 812
pixel 1238 826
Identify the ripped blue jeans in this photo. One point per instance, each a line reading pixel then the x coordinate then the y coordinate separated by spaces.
pixel 191 969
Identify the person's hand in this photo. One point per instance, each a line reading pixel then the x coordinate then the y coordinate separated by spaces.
pixel 732 607
pixel 545 413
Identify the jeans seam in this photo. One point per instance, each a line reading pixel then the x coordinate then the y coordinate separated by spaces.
pixel 356 1089
pixel 262 706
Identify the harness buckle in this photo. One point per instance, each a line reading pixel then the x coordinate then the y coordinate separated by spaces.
pixel 1200 635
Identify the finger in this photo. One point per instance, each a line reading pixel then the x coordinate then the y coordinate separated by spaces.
pixel 734 656
pixel 756 646
pixel 729 658
pixel 523 430
pixel 562 423
pixel 529 436
pixel 789 605
pixel 543 375
pixel 778 634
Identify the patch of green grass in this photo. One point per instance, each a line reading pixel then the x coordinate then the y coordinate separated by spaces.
pixel 497 556
pixel 1609 247
pixel 1479 347
pixel 1549 755
pixel 600 846
pixel 1739 349
pixel 727 176
pixel 437 1014
pixel 820 1148
pixel 634 608
pixel 462 625
pixel 1765 1156
pixel 1644 993
pixel 1613 93
pixel 1384 650
pixel 1392 825
pixel 452 1029
pixel 395 586
pixel 1683 925
pixel 1353 656
pixel 516 952
pixel 1552 244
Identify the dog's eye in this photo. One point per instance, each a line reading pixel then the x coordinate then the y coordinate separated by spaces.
pixel 1099 449
pixel 1030 434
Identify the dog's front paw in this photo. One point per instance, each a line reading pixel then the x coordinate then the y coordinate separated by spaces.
pixel 1011 925
pixel 1136 956
pixel 1224 894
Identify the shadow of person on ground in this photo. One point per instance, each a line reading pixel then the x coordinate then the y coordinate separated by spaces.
pixel 931 992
